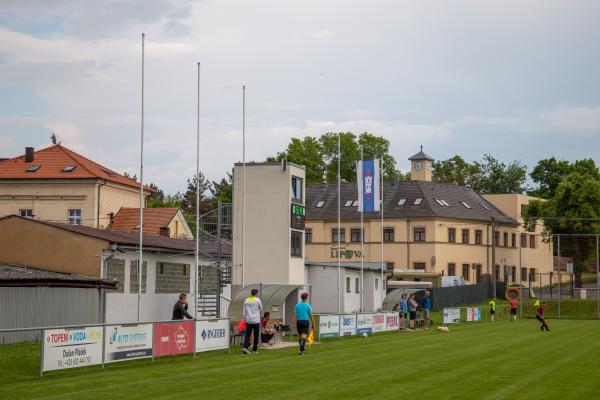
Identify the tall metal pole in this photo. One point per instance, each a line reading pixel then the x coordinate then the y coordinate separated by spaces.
pixel 493 275
pixel 140 262
pixel 362 240
pixel 381 212
pixel 244 183
pixel 597 277
pixel 339 224
pixel 559 291
pixel 196 291
pixel 520 281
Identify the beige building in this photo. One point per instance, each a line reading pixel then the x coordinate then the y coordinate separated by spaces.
pixel 57 184
pixel 429 230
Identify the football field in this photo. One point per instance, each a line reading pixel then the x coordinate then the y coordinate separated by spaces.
pixel 499 360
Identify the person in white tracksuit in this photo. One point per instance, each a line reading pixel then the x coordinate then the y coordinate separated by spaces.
pixel 251 313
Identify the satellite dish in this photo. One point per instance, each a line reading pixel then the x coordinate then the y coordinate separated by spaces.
pixel 433 261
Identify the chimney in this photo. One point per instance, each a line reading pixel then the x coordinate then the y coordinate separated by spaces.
pixel 165 231
pixel 28 154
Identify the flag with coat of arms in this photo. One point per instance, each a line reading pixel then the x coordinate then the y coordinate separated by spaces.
pixel 368 181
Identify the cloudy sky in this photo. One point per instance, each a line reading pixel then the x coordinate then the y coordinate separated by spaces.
pixel 517 79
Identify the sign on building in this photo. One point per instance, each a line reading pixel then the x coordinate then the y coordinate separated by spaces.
pixel 297 217
pixel 392 321
pixel 71 348
pixel 473 314
pixel 212 335
pixel 329 326
pixel 364 323
pixel 173 338
pixel 347 324
pixel 451 315
pixel 127 342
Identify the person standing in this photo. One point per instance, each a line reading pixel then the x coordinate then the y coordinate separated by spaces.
pixel 180 308
pixel 304 317
pixel 403 310
pixel 539 315
pixel 412 311
pixel 513 309
pixel 251 314
pixel 426 304
pixel 492 304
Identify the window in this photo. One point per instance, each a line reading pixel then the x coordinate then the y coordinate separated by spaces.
pixel 451 235
pixel 465 236
pixel 513 274
pixel 419 265
pixel 388 234
pixel 496 238
pixel 485 206
pixel 478 236
pixel 357 285
pixel 532 241
pixel 465 271
pixel 308 235
pixel 26 212
pixel 376 284
pixel 185 270
pixel 348 203
pixel 532 275
pixel 355 235
pixel 419 234
pixel 524 274
pixel 477 273
pixel 418 201
pixel 32 168
pixel 465 204
pixel 505 239
pixel 70 168
pixel 439 202
pixel 451 269
pixel 296 189
pixel 296 244
pixel 523 240
pixel 348 290
pixel 513 240
pixel 389 266
pixel 355 203
pixel 75 216
pixel 341 235
pixel 401 202
pixel 497 273
pixel 320 204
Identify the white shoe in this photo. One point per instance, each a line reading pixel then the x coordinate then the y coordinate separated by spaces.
pixel 246 351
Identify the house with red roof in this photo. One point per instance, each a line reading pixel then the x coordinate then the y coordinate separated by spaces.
pixel 59 185
pixel 168 222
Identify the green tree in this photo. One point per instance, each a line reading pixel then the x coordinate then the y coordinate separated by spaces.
pixel 549 173
pixel 221 191
pixel 188 199
pixel 457 171
pixel 574 209
pixel 307 152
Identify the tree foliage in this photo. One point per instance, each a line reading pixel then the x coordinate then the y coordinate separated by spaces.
pixel 549 173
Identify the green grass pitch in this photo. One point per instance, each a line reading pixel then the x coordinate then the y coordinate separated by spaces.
pixel 500 360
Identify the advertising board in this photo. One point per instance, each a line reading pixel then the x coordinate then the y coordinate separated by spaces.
pixel 212 335
pixel 347 324
pixel 329 326
pixel 392 321
pixel 364 323
pixel 378 322
pixel 473 314
pixel 451 315
pixel 173 338
pixel 71 348
pixel 127 342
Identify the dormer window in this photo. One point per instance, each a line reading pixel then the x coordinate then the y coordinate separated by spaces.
pixel 355 203
pixel 418 201
pixel 320 204
pixel 348 203
pixel 33 168
pixel 70 168
pixel 401 202
pixel 486 207
pixel 465 204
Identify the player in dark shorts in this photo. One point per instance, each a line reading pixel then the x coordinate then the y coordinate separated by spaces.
pixel 304 317
pixel 492 309
pixel 513 309
pixel 539 315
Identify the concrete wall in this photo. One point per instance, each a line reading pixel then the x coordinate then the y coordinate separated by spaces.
pixel 113 196
pixel 324 298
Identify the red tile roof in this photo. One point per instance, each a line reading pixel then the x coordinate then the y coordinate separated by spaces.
pixel 52 160
pixel 128 219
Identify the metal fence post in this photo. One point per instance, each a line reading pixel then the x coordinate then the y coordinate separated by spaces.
pixel 42 341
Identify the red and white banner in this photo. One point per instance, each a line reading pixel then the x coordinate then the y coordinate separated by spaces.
pixel 378 322
pixel 392 320
pixel 173 338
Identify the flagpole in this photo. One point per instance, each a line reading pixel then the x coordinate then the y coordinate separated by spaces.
pixel 362 242
pixel 244 181
pixel 197 197
pixel 381 211
pixel 139 269
pixel 339 223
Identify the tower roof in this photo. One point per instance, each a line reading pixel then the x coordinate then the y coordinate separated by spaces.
pixel 421 156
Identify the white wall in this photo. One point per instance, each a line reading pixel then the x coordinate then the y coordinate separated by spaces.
pixel 352 299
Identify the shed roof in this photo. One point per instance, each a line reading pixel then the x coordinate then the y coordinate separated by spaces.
pixel 128 219
pixel 22 275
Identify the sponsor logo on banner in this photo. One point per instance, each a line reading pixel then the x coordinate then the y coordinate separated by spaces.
pixel 392 321
pixel 451 315
pixel 127 342
pixel 71 348
pixel 473 314
pixel 364 323
pixel 348 325
pixel 212 335
pixel 378 322
pixel 173 338
pixel 329 326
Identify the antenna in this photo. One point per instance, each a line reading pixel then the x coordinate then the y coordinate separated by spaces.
pixel 53 138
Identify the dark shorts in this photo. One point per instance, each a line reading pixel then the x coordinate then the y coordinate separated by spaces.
pixel 492 311
pixel 513 311
pixel 302 327
pixel 539 318
pixel 413 315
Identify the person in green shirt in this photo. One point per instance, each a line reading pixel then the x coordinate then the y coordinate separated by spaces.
pixel 492 304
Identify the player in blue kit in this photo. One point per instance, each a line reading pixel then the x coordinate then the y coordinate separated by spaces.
pixel 304 318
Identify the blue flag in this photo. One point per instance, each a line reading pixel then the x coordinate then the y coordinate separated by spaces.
pixel 368 185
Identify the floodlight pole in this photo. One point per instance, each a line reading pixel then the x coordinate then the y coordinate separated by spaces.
pixel 362 238
pixel 383 290
pixel 493 274
pixel 244 182
pixel 196 285
pixel 140 255
pixel 597 277
pixel 559 290
pixel 339 224
pixel 520 281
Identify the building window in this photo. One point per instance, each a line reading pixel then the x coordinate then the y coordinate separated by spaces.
pixel 513 274
pixel 524 274
pixel 532 241
pixel 389 266
pixel 341 235
pixel 419 234
pixel 532 275
pixel 497 273
pixel 348 290
pixel 419 266
pixel 308 235
pixel 505 239
pixel 451 269
pixel 477 273
pixel 376 284
pixel 465 271
pixel 75 216
pixel 496 238
pixel 513 240
pixel 465 236
pixel 296 189
pixel 357 285
pixel 451 235
pixel 523 240
pixel 26 212
pixel 296 244
pixel 478 236
pixel 355 235
pixel 388 234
